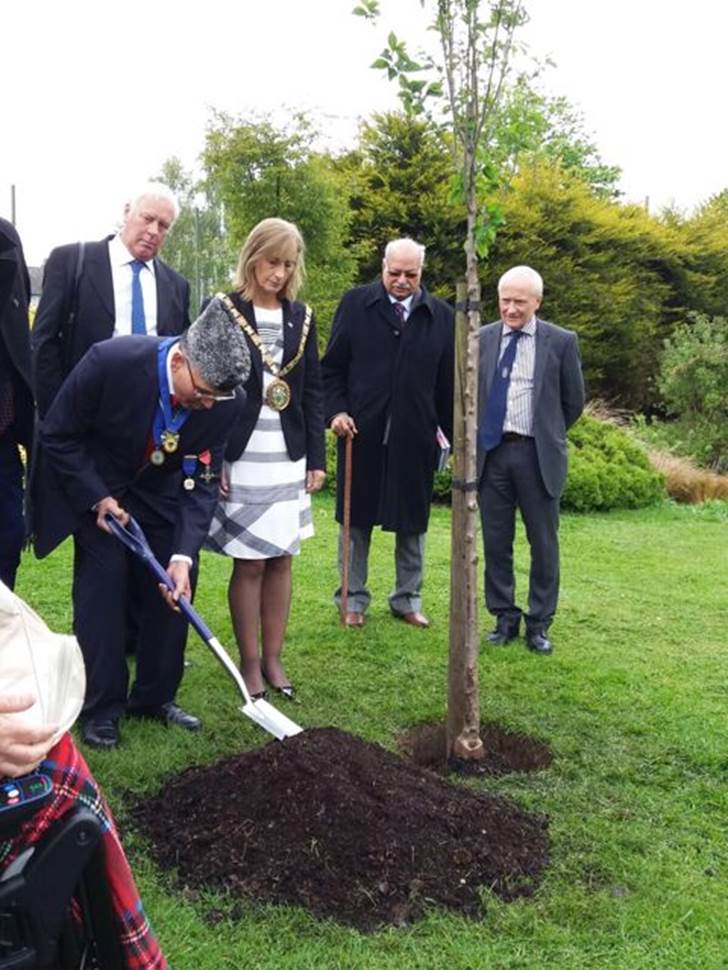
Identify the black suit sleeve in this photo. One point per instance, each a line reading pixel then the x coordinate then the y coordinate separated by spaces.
pixel 67 431
pixel 313 405
pixel 49 364
pixel 444 390
pixel 335 365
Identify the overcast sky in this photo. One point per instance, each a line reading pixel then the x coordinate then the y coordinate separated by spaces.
pixel 98 93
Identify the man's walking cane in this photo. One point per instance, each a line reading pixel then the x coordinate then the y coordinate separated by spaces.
pixel 346 528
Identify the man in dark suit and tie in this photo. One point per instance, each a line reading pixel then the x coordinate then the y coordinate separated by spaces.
pixel 118 286
pixel 531 391
pixel 16 397
pixel 138 427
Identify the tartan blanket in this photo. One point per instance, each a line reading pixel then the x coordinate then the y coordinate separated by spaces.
pixel 74 785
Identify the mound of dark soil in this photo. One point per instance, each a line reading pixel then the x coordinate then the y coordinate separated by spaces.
pixel 344 828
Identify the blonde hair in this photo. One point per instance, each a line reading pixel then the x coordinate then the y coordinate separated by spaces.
pixel 274 239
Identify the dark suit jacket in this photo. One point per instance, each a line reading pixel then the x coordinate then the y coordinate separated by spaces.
pixel 558 394
pixel 303 420
pixel 394 382
pixel 56 350
pixel 14 329
pixel 93 442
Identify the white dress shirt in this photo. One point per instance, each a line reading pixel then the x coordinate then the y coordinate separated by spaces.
pixel 519 405
pixel 122 275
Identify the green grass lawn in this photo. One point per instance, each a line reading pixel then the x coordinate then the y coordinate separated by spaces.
pixel 633 703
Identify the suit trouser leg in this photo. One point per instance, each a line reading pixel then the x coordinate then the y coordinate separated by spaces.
pixel 12 528
pixel 409 558
pixel 497 500
pixel 540 514
pixel 162 632
pixel 100 576
pixel 360 538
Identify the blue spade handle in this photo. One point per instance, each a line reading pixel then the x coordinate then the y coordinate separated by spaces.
pixel 133 538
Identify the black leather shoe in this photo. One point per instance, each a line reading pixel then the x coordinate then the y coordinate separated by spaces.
pixel 102 734
pixel 538 642
pixel 505 631
pixel 169 713
pixel 173 714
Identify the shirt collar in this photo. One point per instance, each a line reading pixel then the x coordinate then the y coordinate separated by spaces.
pixel 407 304
pixel 120 255
pixel 529 328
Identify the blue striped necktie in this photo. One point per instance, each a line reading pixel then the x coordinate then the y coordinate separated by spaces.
pixel 493 416
pixel 138 320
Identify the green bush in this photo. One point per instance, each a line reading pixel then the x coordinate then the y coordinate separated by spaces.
pixel 693 380
pixel 688 436
pixel 607 470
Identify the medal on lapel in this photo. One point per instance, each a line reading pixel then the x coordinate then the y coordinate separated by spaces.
pixel 189 463
pixel 170 441
pixel 157 457
pixel 205 459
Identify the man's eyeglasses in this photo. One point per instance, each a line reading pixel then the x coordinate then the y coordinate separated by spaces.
pixel 410 274
pixel 204 394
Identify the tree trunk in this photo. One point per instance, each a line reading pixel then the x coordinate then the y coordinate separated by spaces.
pixel 463 720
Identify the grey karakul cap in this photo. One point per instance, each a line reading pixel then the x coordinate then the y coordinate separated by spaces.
pixel 217 347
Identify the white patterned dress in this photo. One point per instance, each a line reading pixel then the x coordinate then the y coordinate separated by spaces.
pixel 268 511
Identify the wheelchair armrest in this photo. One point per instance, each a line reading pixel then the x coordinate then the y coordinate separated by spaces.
pixel 34 900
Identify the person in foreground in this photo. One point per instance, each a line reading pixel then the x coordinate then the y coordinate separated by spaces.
pixel 531 391
pixel 41 693
pixel 24 749
pixel 275 456
pixel 388 383
pixel 138 427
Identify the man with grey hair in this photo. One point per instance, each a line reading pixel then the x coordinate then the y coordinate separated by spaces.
pixel 138 428
pixel 531 391
pixel 117 286
pixel 388 384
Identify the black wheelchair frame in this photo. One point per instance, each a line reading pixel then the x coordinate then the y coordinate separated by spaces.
pixel 39 927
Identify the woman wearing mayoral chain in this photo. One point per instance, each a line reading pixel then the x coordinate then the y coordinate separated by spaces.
pixel 276 456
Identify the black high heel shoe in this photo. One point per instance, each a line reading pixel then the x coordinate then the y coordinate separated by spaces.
pixel 287 690
pixel 260 695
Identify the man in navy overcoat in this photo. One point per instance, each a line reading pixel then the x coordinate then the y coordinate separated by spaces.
pixel 388 383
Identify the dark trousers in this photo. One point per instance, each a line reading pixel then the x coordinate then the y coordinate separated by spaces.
pixel 105 573
pixel 511 480
pixel 409 557
pixel 12 527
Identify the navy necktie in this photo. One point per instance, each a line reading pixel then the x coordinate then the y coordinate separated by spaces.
pixel 490 431
pixel 399 309
pixel 138 321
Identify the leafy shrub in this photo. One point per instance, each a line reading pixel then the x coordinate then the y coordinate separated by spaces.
pixel 693 380
pixel 607 470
